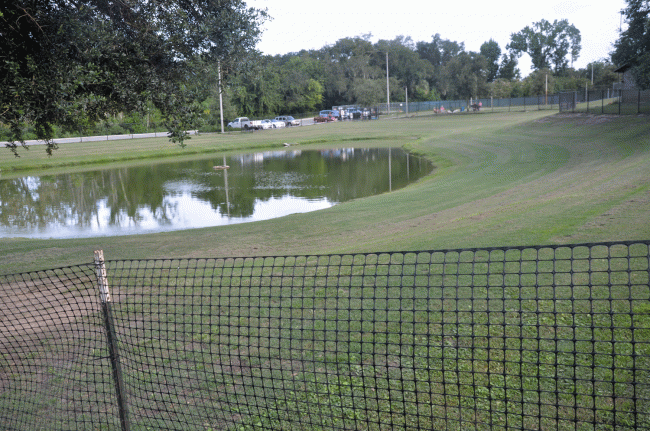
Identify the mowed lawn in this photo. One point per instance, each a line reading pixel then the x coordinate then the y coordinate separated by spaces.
pixel 457 340
pixel 527 178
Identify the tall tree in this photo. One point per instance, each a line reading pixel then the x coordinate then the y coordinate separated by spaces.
pixel 600 73
pixel 492 52
pixel 548 44
pixel 633 47
pixel 439 52
pixel 465 76
pixel 508 69
pixel 64 62
pixel 404 64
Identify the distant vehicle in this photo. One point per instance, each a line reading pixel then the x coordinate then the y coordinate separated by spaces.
pixel 288 120
pixel 329 115
pixel 267 124
pixel 278 124
pixel 245 123
pixel 354 113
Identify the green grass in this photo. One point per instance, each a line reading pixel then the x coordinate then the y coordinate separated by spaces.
pixel 483 340
pixel 500 179
pixel 473 341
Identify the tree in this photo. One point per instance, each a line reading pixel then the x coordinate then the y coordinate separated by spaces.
pixel 369 92
pixel 548 44
pixel 465 76
pixel 300 91
pixel 404 64
pixel 601 71
pixel 633 47
pixel 539 82
pixel 63 62
pixel 439 52
pixel 508 69
pixel 491 51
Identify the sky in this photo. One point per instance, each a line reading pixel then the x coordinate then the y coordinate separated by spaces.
pixel 303 24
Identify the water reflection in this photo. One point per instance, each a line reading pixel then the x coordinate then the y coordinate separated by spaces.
pixel 171 196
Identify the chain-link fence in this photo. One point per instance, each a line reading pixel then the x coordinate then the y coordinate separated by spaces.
pixel 489 104
pixel 606 101
pixel 549 337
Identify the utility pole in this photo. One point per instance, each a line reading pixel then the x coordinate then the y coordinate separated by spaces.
pixel 546 89
pixel 220 96
pixel 406 90
pixel 387 86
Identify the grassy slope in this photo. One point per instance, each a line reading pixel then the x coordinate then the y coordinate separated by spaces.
pixel 502 179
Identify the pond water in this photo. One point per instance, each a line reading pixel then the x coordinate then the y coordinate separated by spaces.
pixel 193 194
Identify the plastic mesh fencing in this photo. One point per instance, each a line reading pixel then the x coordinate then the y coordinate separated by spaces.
pixel 54 372
pixel 553 337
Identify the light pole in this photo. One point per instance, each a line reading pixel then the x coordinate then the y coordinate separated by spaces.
pixel 220 96
pixel 406 92
pixel 387 86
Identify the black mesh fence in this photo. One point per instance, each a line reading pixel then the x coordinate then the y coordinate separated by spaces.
pixel 553 337
pixel 606 101
pixel 489 104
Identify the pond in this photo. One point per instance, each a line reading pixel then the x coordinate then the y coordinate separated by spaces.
pixel 192 194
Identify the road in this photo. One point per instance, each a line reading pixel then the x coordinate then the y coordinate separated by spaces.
pixel 101 138
pixel 303 122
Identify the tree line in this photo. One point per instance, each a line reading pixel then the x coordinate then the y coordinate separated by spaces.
pixel 76 65
pixel 353 71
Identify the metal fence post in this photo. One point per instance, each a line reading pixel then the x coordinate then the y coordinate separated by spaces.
pixel 111 338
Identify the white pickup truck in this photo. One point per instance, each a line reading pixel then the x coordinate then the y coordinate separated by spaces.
pixel 245 123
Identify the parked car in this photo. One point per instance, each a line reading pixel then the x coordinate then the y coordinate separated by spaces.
pixel 245 123
pixel 354 113
pixel 278 124
pixel 288 120
pixel 267 124
pixel 328 115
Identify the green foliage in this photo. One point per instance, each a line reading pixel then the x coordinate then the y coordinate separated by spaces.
pixel 465 76
pixel 439 52
pixel 500 88
pixel 538 82
pixel 368 91
pixel 602 73
pixel 491 51
pixel 633 48
pixel 548 44
pixel 71 64
pixel 508 68
pixel 353 71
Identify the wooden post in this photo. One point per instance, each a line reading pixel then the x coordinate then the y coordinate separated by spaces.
pixel 111 338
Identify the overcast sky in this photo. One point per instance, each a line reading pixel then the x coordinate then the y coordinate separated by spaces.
pixel 305 24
